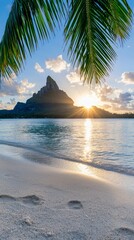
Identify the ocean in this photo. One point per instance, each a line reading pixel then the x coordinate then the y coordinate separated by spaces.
pixel 101 143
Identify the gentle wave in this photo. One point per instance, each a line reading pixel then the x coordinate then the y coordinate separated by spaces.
pixel 108 167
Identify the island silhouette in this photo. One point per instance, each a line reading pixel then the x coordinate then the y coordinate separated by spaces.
pixel 51 102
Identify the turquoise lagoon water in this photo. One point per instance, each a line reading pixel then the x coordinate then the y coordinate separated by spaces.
pixel 102 143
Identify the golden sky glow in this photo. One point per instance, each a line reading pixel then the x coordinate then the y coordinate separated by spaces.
pixel 88 101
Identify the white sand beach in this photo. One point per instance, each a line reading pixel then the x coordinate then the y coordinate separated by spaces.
pixel 38 201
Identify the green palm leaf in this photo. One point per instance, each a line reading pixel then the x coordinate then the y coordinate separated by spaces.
pixel 28 22
pixel 92 28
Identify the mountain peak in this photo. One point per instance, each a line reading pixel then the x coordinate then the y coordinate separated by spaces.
pixel 50 94
pixel 51 84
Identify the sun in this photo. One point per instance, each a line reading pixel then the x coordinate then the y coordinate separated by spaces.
pixel 88 101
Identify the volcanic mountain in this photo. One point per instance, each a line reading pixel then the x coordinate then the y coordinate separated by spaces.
pixel 51 102
pixel 50 94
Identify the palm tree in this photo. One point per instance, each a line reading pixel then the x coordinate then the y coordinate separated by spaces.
pixel 92 28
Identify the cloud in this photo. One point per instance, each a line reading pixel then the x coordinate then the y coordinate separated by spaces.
pixel 74 77
pixel 57 65
pixel 13 75
pixel 126 97
pixel 1 104
pixel 38 68
pixel 10 87
pixel 11 104
pixel 127 77
pixel 108 93
pixel 115 99
pixel 8 105
pixel 12 101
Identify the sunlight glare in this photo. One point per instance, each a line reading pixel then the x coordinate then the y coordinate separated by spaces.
pixel 88 101
pixel 88 136
pixel 88 129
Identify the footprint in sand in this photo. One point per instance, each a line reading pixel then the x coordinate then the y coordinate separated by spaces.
pixel 122 233
pixel 7 198
pixel 30 199
pixel 126 230
pixel 74 235
pixel 75 204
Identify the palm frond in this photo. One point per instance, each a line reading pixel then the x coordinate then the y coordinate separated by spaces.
pixel 28 22
pixel 120 19
pixel 91 30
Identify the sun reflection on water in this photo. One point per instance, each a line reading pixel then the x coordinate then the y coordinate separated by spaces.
pixel 88 137
pixel 87 149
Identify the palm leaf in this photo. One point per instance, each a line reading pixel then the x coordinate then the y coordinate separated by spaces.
pixel 28 22
pixel 92 28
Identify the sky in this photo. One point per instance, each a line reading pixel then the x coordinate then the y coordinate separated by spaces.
pixel 116 94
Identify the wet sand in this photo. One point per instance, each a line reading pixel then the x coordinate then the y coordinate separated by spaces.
pixel 38 201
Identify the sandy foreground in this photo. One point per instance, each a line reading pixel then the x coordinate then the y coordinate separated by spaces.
pixel 38 201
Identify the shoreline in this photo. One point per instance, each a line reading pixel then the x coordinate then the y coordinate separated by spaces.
pixel 44 202
pixel 34 155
